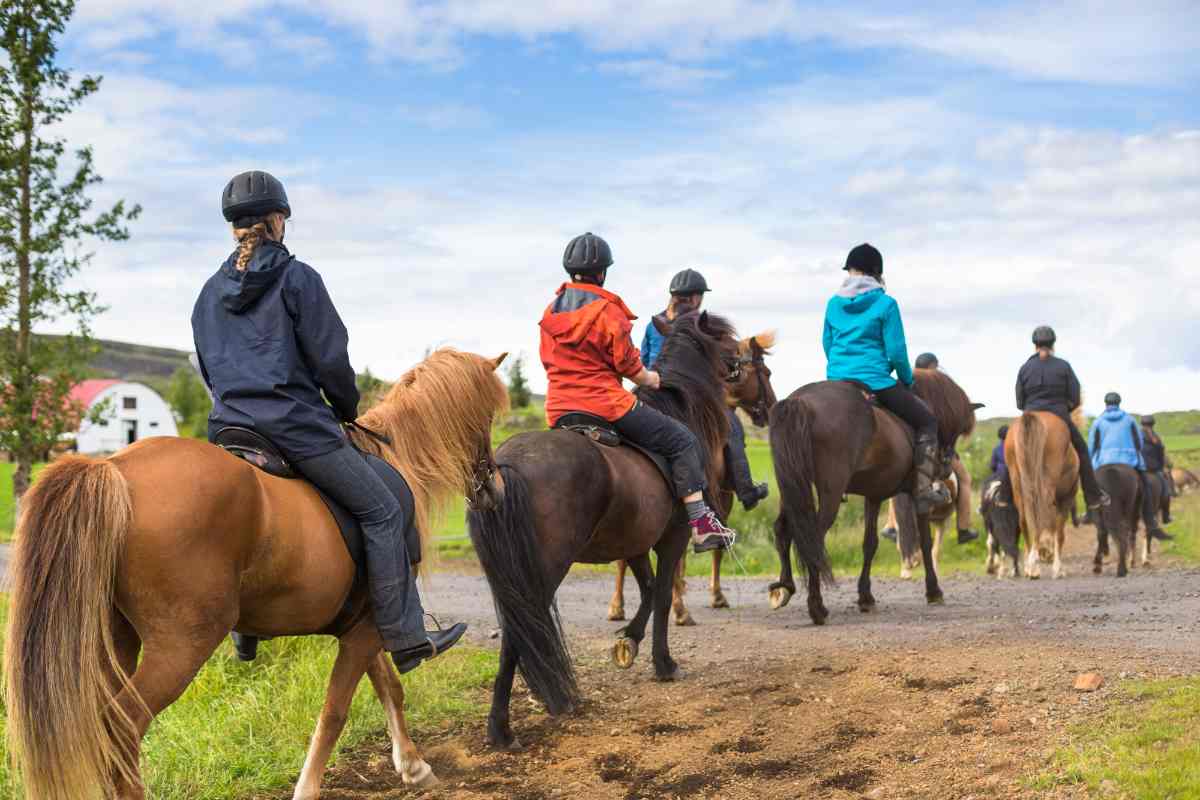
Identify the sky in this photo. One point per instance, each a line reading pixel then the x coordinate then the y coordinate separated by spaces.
pixel 1016 163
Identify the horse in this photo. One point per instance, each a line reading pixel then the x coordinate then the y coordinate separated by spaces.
pixel 1003 526
pixel 1119 519
pixel 170 544
pixel 563 499
pixel 939 517
pixel 1044 471
pixel 831 437
pixel 1184 479
pixel 748 387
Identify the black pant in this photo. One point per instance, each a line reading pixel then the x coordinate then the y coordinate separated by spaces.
pixel 1149 507
pixel 905 404
pixel 735 456
pixel 346 477
pixel 670 438
pixel 1087 473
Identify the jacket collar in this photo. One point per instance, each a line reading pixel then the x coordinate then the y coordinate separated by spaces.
pixel 599 291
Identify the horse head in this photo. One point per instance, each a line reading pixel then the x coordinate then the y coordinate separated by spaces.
pixel 749 382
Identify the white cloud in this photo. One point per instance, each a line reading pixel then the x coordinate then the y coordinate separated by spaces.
pixel 665 75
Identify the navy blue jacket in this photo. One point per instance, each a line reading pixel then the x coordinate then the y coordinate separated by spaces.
pixel 1047 385
pixel 998 465
pixel 270 343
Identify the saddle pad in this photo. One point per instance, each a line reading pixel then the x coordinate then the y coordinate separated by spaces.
pixel 603 433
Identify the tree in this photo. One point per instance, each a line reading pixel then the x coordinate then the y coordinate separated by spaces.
pixel 519 395
pixel 45 225
pixel 189 400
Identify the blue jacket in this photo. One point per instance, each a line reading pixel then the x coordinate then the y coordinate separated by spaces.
pixel 270 342
pixel 652 342
pixel 1116 438
pixel 998 466
pixel 864 336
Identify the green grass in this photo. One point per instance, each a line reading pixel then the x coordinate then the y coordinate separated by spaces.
pixel 244 728
pixel 1146 745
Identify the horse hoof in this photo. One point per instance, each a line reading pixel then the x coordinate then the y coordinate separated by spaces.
pixel 866 607
pixel 905 574
pixel 686 620
pixel 424 778
pixel 819 616
pixel 676 674
pixel 616 615
pixel 719 601
pixel 936 599
pixel 1097 569
pixel 624 652
pixel 780 597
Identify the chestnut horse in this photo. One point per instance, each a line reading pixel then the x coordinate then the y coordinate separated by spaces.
pixel 1044 471
pixel 565 499
pixel 749 388
pixel 829 437
pixel 170 544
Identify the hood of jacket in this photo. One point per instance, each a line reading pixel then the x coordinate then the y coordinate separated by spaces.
pixel 857 294
pixel 1114 414
pixel 241 289
pixel 572 326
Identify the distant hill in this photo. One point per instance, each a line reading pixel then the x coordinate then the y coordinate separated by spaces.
pixel 141 363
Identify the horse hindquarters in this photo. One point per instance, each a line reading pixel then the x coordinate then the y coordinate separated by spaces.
pixel 506 542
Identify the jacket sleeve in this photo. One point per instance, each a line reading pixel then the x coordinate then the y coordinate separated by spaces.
pixel 1020 391
pixel 895 345
pixel 626 359
pixel 646 346
pixel 323 341
pixel 1094 439
pixel 1072 389
pixel 1139 443
pixel 827 335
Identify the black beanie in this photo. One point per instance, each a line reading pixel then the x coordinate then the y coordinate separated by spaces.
pixel 865 258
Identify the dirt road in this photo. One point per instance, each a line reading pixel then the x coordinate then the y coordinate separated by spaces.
pixel 962 700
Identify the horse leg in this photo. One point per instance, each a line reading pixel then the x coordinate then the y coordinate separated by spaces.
pixel 669 549
pixel 1032 565
pixel 683 617
pixel 782 590
pixel 1098 561
pixel 499 728
pixel 356 650
pixel 866 601
pixel 630 637
pixel 1060 540
pixel 616 606
pixel 933 592
pixel 992 563
pixel 714 583
pixel 828 503
pixel 1123 552
pixel 413 769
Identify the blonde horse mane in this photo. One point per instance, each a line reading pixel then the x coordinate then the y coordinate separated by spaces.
pixel 765 341
pixel 438 417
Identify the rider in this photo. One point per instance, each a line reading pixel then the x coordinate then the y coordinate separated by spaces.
pixel 270 344
pixel 1117 439
pixel 586 350
pixel 1154 452
pixel 864 342
pixel 687 294
pixel 1047 383
pixel 998 465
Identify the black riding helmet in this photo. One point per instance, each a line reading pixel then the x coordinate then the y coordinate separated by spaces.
pixel 926 361
pixel 1148 420
pixel 688 281
pixel 587 254
pixel 1044 336
pixel 1112 399
pixel 865 259
pixel 250 196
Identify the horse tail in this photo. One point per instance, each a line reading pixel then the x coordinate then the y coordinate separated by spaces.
pixel 66 735
pixel 792 452
pixel 1037 495
pixel 507 546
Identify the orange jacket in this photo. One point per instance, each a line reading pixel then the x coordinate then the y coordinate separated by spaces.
pixel 587 349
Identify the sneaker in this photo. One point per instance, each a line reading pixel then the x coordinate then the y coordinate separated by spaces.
pixel 436 642
pixel 709 533
pixel 966 535
pixel 757 493
pixel 889 533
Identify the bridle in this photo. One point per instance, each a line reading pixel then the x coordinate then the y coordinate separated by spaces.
pixel 736 367
pixel 483 479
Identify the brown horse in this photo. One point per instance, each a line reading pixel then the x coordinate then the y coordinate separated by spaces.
pixel 829 437
pixel 170 544
pixel 1044 471
pixel 1119 519
pixel 565 499
pixel 748 388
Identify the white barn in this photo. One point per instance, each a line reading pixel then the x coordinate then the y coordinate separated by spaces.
pixel 134 412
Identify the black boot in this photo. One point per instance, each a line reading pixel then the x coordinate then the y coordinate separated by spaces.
pixel 966 535
pixel 436 642
pixel 929 492
pixel 753 495
pixel 1155 532
pixel 245 645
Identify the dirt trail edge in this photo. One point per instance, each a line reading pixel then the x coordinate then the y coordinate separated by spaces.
pixel 964 700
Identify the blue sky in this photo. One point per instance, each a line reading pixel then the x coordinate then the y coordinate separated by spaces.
pixel 1017 163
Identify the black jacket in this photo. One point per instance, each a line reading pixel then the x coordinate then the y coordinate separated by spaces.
pixel 1154 453
pixel 270 343
pixel 1048 385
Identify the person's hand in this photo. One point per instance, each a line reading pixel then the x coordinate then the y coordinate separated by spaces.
pixel 648 378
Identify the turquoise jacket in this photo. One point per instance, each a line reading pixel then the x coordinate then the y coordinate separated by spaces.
pixel 864 336
pixel 1116 438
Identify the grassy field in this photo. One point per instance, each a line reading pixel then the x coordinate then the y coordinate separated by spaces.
pixel 1147 745
pixel 244 728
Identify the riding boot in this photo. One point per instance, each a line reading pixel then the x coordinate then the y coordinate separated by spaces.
pixel 1150 512
pixel 244 645
pixel 966 535
pixel 747 491
pixel 929 491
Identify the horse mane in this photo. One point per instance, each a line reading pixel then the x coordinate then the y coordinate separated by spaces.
pixel 765 340
pixel 693 389
pixel 948 402
pixel 436 417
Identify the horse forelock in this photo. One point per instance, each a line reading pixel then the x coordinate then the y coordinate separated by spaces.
pixel 438 417
pixel 948 402
pixel 765 341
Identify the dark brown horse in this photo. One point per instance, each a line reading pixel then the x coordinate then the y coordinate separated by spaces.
pixel 1119 519
pixel 162 549
pixel 829 437
pixel 563 499
pixel 748 387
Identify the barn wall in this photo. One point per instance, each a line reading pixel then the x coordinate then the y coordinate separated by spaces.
pixel 152 417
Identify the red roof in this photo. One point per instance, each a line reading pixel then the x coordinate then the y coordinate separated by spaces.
pixel 87 391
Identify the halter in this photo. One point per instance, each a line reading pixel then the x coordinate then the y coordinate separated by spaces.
pixel 735 374
pixel 482 479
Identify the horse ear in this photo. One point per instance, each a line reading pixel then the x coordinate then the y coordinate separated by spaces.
pixel 498 360
pixel 755 347
pixel 977 406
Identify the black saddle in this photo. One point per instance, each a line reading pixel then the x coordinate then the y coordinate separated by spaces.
pixel 253 447
pixel 602 432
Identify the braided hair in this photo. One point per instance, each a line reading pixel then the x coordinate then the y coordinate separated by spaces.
pixel 249 238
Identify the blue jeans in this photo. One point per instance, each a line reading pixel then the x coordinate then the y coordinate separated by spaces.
pixel 346 477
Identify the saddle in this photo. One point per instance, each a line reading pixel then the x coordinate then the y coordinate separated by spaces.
pixel 602 432
pixel 256 449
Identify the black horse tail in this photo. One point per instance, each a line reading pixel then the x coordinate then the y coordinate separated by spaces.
pixel 792 451
pixel 506 544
